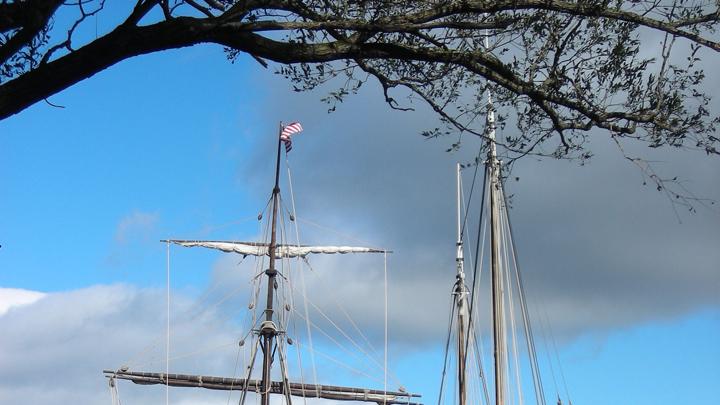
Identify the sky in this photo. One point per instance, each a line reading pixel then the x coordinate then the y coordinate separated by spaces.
pixel 181 145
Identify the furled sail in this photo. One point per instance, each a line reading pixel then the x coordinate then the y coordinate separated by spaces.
pixel 333 392
pixel 282 251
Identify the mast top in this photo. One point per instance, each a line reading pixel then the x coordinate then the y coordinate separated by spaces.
pixel 459 255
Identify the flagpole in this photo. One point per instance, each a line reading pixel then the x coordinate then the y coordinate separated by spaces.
pixel 268 330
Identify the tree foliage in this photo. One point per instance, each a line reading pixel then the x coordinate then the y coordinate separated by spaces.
pixel 556 68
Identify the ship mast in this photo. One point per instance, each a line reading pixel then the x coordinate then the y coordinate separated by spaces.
pixel 496 271
pixel 461 294
pixel 268 330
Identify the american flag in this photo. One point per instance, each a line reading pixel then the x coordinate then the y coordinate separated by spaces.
pixel 287 131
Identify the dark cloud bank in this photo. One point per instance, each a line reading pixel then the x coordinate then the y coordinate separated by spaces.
pixel 599 250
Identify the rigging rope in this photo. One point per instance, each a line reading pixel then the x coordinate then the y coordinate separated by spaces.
pixel 237 362
pixel 302 277
pixel 547 330
pixel 298 267
pixel 284 371
pixel 307 302
pixel 349 352
pixel 343 235
pixel 475 264
pixel 530 338
pixel 543 330
pixel 282 295
pixel 283 318
pixel 206 230
pixel 167 340
pixel 557 356
pixel 253 353
pixel 345 334
pixel 477 336
pixel 352 322
pixel 385 363
pixel 299 346
pixel 286 315
pixel 510 303
pixel 447 348
pixel 373 353
pixel 346 366
pixel 472 188
pixel 193 313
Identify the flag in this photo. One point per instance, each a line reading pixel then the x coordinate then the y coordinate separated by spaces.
pixel 287 131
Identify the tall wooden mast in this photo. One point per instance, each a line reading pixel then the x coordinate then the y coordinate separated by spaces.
pixel 268 329
pixel 461 294
pixel 496 271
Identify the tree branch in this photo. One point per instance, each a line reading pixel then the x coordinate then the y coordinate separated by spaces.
pixel 36 15
pixel 433 50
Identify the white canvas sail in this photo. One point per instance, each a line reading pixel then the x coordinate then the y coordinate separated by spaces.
pixel 282 251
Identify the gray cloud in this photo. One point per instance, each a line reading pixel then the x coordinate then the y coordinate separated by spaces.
pixel 600 251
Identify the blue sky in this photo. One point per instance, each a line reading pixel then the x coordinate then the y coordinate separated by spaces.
pixel 66 171
pixel 179 144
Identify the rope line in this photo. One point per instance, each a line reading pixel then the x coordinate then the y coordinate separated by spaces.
pixel 385 360
pixel 475 264
pixel 447 348
pixel 511 306
pixel 559 363
pixel 349 352
pixel 298 267
pixel 344 235
pixel 237 362
pixel 308 329
pixel 474 335
pixel 243 392
pixel 346 335
pixel 373 352
pixel 535 368
pixel 472 188
pixel 167 338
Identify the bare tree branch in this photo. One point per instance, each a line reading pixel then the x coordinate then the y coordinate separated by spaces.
pixel 558 68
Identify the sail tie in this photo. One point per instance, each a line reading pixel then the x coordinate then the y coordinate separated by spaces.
pixel 114 394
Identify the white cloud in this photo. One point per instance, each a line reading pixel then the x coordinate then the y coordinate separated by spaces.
pixel 15 297
pixel 54 349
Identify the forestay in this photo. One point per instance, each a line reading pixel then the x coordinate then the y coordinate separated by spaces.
pixel 281 251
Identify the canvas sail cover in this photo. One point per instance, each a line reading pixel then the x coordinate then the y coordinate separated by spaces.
pixel 282 251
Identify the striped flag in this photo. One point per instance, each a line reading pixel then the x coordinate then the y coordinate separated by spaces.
pixel 287 131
